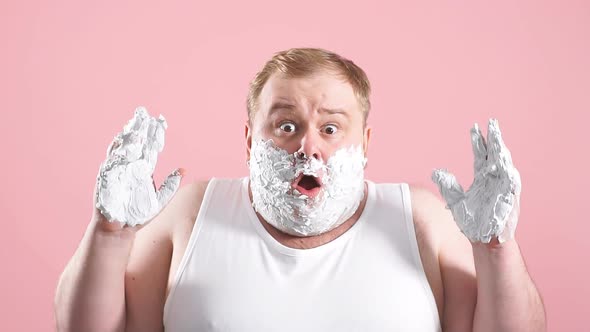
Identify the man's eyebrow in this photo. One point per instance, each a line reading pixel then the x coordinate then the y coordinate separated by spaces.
pixel 334 111
pixel 283 106
pixel 277 106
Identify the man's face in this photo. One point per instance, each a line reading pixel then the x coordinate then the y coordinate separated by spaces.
pixel 307 147
pixel 315 115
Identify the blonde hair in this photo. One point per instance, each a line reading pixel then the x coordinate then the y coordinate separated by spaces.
pixel 302 62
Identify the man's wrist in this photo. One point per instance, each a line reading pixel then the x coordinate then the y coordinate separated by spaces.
pixel 110 238
pixel 496 252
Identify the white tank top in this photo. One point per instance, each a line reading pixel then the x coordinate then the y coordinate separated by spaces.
pixel 234 276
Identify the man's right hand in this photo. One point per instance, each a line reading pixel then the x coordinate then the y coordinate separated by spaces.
pixel 125 190
pixel 102 224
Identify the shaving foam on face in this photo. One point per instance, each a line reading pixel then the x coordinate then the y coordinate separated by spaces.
pixel 272 172
pixel 125 188
pixel 490 207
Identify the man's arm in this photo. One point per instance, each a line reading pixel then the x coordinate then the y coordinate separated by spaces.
pixel 150 266
pixel 486 287
pixel 507 297
pixel 90 294
pixel 116 279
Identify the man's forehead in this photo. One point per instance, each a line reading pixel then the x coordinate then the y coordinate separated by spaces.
pixel 325 91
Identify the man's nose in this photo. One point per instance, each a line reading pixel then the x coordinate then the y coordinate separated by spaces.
pixel 310 146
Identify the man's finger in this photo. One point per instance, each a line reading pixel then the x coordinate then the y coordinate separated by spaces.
pixel 449 188
pixel 96 214
pixel 501 155
pixel 495 143
pixel 479 148
pixel 170 186
pixel 115 143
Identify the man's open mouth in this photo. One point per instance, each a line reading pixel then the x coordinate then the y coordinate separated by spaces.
pixel 308 185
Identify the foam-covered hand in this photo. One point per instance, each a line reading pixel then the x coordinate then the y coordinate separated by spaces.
pixel 125 190
pixel 490 207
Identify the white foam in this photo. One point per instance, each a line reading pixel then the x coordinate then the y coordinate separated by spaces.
pixel 125 189
pixel 490 207
pixel 272 172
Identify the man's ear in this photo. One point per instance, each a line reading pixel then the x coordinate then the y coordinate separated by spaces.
pixel 366 139
pixel 248 135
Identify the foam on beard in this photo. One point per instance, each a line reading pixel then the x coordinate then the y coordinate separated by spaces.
pixel 273 172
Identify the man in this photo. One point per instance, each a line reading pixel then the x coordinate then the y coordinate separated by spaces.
pixel 303 243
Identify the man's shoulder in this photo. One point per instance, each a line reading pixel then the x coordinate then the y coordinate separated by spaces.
pixel 428 210
pixel 189 192
pixel 434 222
pixel 186 203
pixel 180 211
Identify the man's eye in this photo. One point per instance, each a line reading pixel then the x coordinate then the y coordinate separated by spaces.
pixel 287 127
pixel 330 129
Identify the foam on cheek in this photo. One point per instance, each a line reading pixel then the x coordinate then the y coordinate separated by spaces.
pixel 125 190
pixel 272 172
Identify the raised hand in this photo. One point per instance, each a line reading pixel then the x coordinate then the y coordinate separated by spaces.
pixel 490 207
pixel 125 189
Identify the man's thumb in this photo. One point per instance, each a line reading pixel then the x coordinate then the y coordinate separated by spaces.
pixel 170 186
pixel 449 188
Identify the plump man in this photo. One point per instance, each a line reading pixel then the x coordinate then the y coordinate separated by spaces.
pixel 305 242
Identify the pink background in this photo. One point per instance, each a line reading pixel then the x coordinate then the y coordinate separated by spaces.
pixel 72 74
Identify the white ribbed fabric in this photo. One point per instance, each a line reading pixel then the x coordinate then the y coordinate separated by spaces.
pixel 234 276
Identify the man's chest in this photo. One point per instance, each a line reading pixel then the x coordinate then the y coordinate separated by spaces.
pixel 238 293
